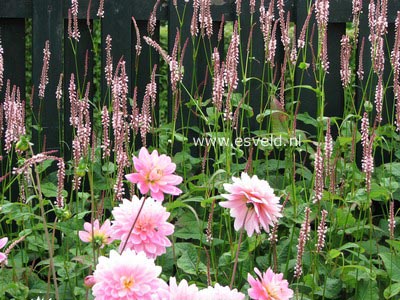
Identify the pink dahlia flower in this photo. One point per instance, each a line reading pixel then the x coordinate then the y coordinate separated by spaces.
pixel 154 173
pixel 125 277
pixel 183 291
pixel 269 286
pixel 252 202
pixel 3 256
pixel 220 293
pixel 151 228
pixel 101 235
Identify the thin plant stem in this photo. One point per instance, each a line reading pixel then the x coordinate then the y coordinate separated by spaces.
pixel 133 226
pixel 238 250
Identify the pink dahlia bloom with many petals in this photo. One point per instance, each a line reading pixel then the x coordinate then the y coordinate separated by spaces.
pixel 101 235
pixel 126 277
pixel 183 291
pixel 154 173
pixel 3 256
pixel 151 228
pixel 220 293
pixel 252 202
pixel 269 286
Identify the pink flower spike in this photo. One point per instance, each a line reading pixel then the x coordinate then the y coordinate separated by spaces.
pixel 126 276
pixel 101 235
pixel 3 256
pixel 253 202
pixel 269 286
pixel 151 228
pixel 154 174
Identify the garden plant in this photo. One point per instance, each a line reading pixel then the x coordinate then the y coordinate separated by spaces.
pixel 225 177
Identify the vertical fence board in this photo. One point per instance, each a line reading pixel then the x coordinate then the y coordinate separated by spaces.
pixel 117 24
pixel 190 75
pixel 47 25
pixel 334 95
pixel 250 28
pixel 12 35
pixel 78 67
pixel 142 67
pixel 307 98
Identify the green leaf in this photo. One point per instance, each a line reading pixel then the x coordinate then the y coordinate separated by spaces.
pixel 331 290
pixel 392 265
pixel 108 168
pixel 367 290
pixel 333 253
pixel 44 165
pixel 392 290
pixel 394 244
pixel 49 189
pixel 190 263
pixel 16 290
pixel 393 168
pixel 307 119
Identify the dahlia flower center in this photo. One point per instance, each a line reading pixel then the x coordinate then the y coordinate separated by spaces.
pixel 272 291
pixel 100 238
pixel 155 175
pixel 127 282
pixel 145 226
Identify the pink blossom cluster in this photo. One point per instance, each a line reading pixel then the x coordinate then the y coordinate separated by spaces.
pixel 201 15
pixel 269 286
pixel 44 78
pixel 266 23
pixel 252 203
pixel 154 174
pixel 149 222
pixel 14 115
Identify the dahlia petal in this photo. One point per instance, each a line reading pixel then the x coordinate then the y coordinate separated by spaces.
pixel 3 242
pixel 3 257
pixel 85 236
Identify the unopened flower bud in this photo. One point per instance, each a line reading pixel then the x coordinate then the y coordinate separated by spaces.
pixel 89 281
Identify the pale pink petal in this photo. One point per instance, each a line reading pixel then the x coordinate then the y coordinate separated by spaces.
pixel 3 242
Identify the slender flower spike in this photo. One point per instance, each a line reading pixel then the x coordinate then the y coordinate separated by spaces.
pixel 138 46
pixel 367 161
pixel 322 229
pixel 345 69
pixel 269 286
pixel 74 11
pixel 151 229
pixel 392 221
pixel 105 122
pixel 1 65
pixel 3 256
pixel 183 291
pixel 219 292
pixel 127 276
pixel 109 61
pixel 252 202
pixel 100 11
pixel 303 238
pixel 101 235
pixel 319 175
pixel 154 174
pixel 44 78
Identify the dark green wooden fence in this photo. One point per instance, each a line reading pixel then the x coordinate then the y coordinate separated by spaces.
pixel 49 19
